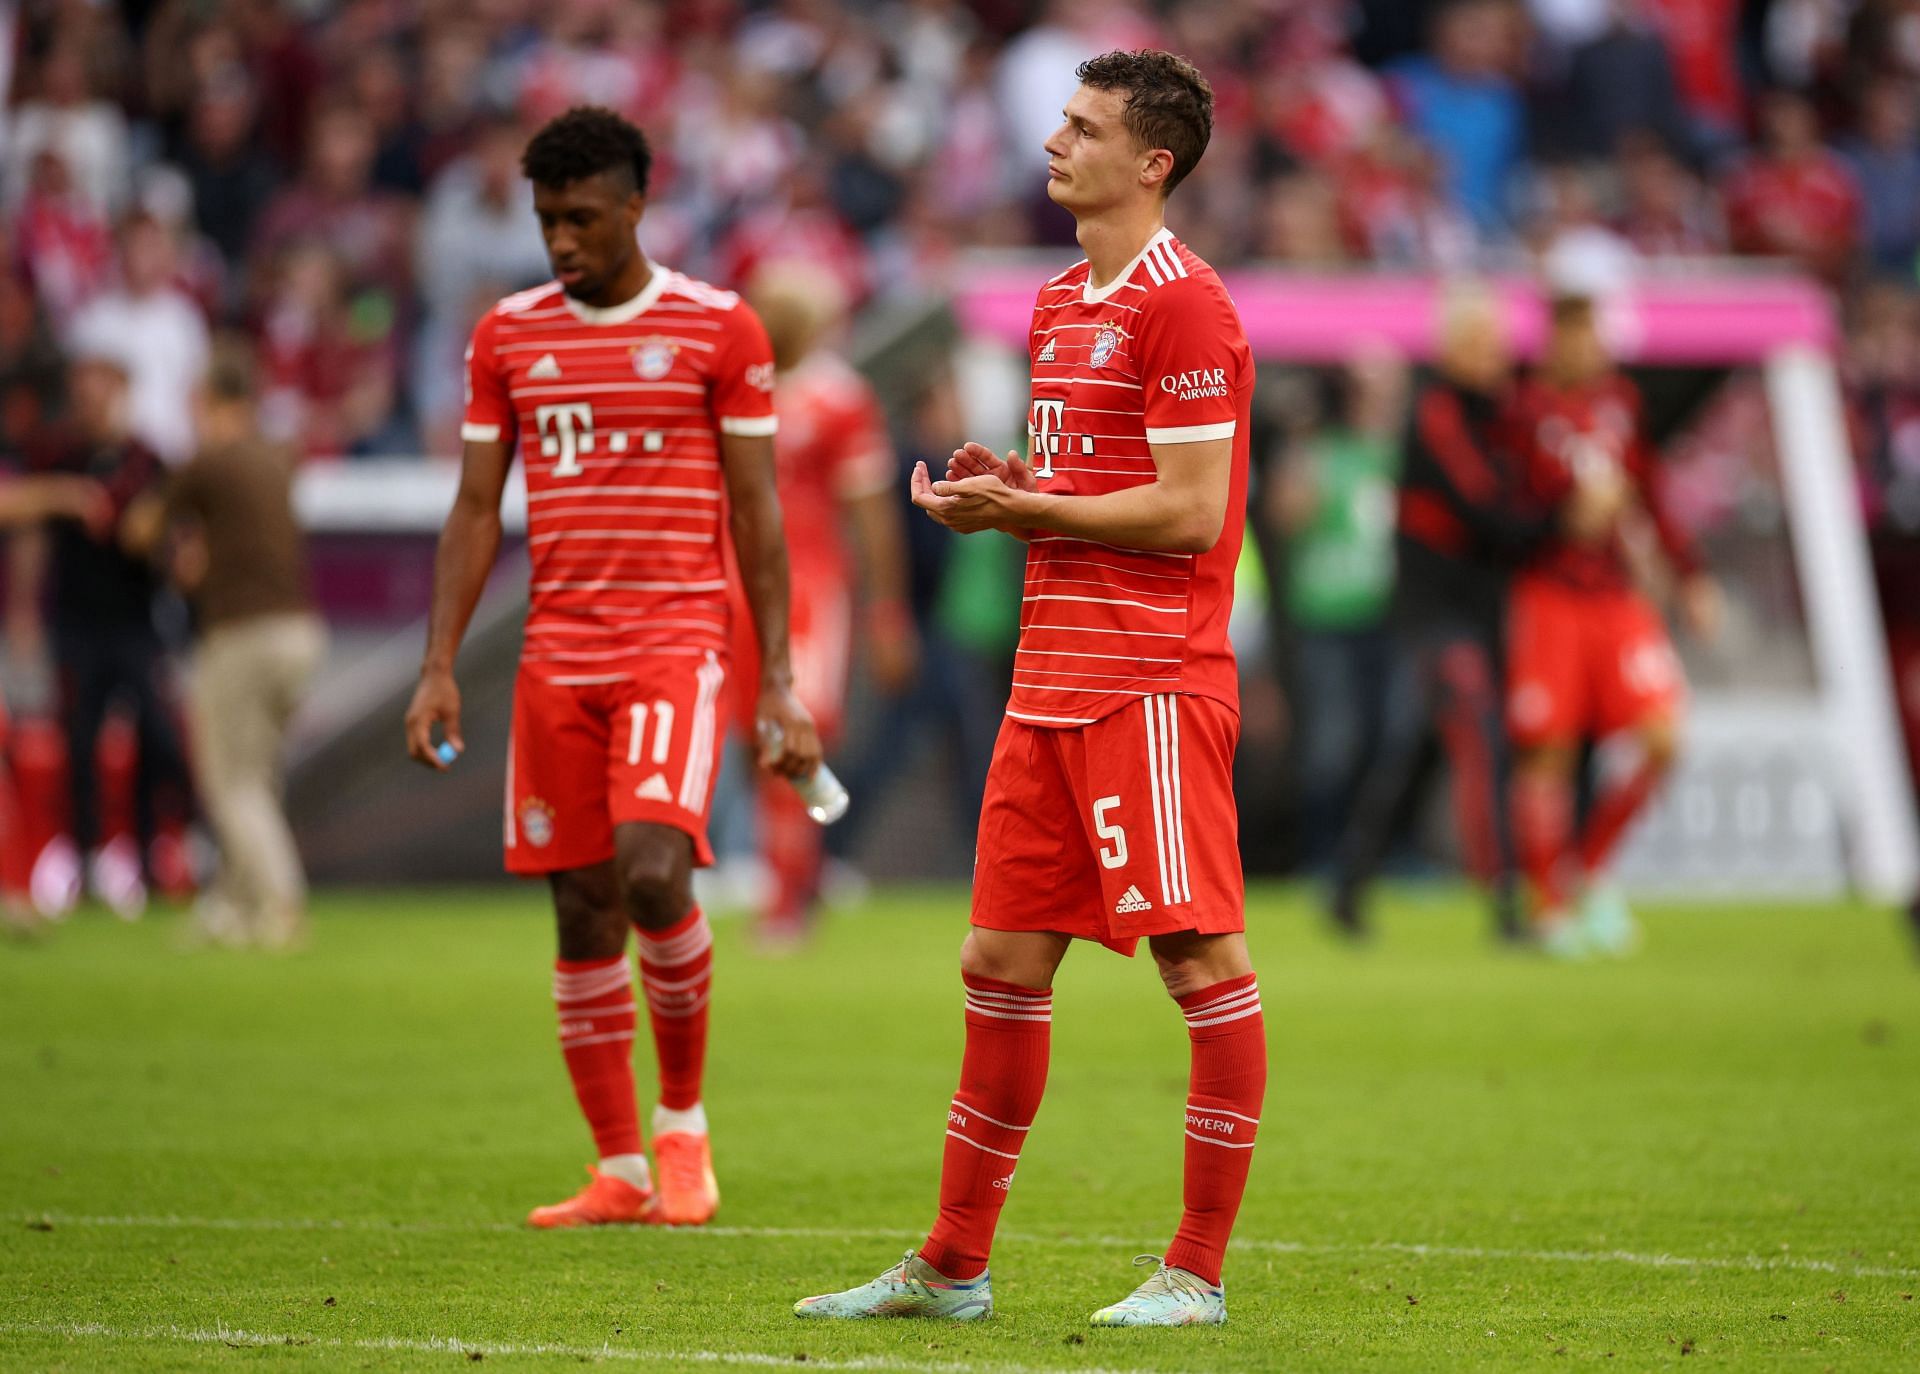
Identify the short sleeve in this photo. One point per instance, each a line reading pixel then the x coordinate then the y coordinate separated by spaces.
pixel 741 388
pixel 489 413
pixel 1190 357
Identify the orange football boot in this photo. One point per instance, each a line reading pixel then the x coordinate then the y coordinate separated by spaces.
pixel 689 1194
pixel 607 1201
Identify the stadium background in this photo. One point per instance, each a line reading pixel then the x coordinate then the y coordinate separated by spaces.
pixel 222 1157
pixel 338 181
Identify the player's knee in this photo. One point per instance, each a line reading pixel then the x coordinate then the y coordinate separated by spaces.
pixel 655 885
pixel 588 922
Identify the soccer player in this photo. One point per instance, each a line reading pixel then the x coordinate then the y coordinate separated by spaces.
pixel 834 466
pixel 641 403
pixel 1590 657
pixel 1109 813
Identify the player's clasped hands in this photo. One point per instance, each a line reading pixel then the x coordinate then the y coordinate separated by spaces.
pixel 981 491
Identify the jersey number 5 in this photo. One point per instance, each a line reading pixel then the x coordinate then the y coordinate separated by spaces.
pixel 566 432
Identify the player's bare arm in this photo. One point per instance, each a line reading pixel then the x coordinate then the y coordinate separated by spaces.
pixel 1180 511
pixel 469 542
pixel 760 542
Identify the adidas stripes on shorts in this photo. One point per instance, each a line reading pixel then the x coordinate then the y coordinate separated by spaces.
pixel 586 756
pixel 1116 830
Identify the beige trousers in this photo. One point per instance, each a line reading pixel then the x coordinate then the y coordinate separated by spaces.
pixel 248 679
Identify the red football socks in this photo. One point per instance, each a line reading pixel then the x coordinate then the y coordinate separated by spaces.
pixel 1614 810
pixel 1542 820
pixel 597 1016
pixel 1225 1087
pixel 676 970
pixel 1002 1077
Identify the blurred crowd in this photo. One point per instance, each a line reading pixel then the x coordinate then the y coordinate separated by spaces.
pixel 339 179
pixel 336 182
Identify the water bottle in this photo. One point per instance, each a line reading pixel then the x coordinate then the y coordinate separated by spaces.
pixel 820 791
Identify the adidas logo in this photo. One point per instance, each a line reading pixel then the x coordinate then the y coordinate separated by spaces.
pixel 547 368
pixel 1131 900
pixel 1046 354
pixel 654 789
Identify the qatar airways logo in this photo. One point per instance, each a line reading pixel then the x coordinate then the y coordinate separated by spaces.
pixel 1196 385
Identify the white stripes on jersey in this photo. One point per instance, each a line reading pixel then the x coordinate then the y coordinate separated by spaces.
pixel 1163 786
pixel 1162 263
pixel 699 771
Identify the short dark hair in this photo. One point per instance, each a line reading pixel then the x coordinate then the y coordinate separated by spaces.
pixel 586 141
pixel 1169 104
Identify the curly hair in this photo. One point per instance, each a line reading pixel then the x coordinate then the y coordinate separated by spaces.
pixel 1168 103
pixel 586 141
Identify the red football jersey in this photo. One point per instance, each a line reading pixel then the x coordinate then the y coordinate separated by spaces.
pixel 833 446
pixel 1155 357
pixel 617 414
pixel 1562 430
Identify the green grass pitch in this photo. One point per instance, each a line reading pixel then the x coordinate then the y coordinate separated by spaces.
pixel 1707 1157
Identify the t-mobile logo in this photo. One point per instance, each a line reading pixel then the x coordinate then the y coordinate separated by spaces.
pixel 1048 441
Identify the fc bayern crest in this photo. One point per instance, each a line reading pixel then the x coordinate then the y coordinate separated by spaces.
pixel 1103 345
pixel 653 359
pixel 536 822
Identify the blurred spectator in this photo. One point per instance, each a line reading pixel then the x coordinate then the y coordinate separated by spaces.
pixel 1460 97
pixel 158 333
pixel 1335 501
pixel 66 118
pixel 238 552
pixel 1665 210
pixel 1703 39
pixel 232 177
pixel 1395 211
pixel 1885 160
pixel 335 201
pixel 1300 222
pixel 105 642
pixel 1619 82
pixel 1883 402
pixel 327 356
pixel 63 244
pixel 30 366
pixel 1793 198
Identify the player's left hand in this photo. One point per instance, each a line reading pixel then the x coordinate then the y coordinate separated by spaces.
pixel 972 504
pixel 1703 607
pixel 788 740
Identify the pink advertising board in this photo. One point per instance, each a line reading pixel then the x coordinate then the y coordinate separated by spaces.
pixel 1708 320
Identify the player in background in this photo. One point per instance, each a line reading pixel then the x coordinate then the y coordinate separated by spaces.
pixel 1590 656
pixel 1109 813
pixel 640 402
pixel 834 466
pixel 1462 529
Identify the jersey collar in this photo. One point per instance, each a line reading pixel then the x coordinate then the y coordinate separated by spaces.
pixel 627 310
pixel 1125 274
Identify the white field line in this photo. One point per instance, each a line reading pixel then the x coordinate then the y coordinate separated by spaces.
pixel 1745 1263
pixel 438 1345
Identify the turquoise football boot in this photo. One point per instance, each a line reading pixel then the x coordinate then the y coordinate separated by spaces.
pixel 912 1288
pixel 1172 1297
pixel 1607 921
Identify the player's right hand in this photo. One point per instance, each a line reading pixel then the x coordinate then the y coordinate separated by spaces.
pixel 977 460
pixel 436 701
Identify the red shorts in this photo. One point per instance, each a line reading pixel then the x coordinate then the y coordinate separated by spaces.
pixel 584 759
pixel 1115 830
pixel 1586 663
